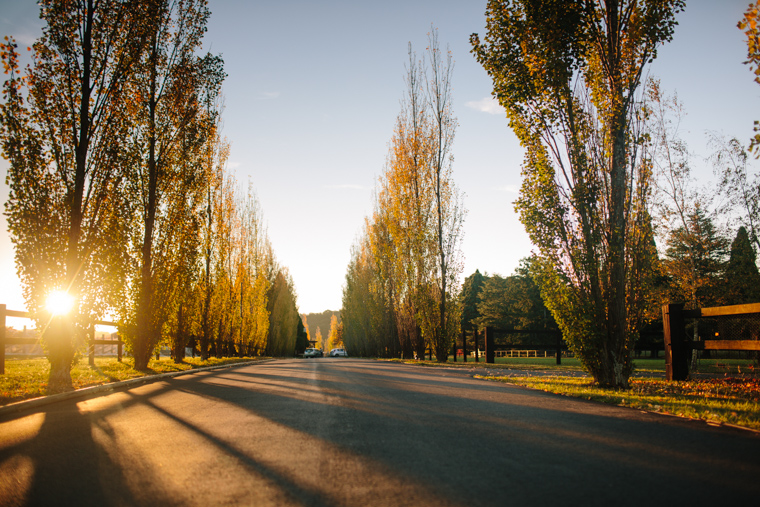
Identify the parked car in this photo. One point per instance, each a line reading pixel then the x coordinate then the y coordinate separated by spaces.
pixel 312 353
pixel 338 353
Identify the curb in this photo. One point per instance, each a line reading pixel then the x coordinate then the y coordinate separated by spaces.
pixel 35 403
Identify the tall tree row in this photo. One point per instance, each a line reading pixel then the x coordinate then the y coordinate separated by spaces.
pixel 170 128
pixel 369 327
pixel 401 290
pixel 119 193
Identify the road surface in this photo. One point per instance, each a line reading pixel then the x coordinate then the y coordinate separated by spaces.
pixel 348 432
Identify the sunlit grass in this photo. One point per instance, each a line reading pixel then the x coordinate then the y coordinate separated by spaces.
pixel 532 363
pixel 27 378
pixel 727 401
pixel 641 365
pixel 724 400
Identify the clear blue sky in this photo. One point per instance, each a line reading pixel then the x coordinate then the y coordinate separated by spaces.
pixel 313 90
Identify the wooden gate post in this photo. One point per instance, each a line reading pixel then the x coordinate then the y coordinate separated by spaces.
pixel 677 344
pixel 2 339
pixel 91 342
pixel 489 345
pixel 477 346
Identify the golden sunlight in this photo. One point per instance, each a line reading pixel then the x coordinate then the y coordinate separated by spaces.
pixel 59 302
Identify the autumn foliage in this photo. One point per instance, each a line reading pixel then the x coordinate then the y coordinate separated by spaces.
pixel 401 292
pixel 119 191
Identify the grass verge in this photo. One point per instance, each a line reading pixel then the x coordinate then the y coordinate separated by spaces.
pixel 500 362
pixel 27 378
pixel 726 400
pixel 731 401
pixel 727 367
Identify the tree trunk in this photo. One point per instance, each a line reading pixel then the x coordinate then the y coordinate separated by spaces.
pixel 145 339
pixel 180 340
pixel 617 362
pixel 206 322
pixel 59 338
pixel 60 341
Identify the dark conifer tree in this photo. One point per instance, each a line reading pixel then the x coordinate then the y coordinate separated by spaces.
pixel 742 280
pixel 471 289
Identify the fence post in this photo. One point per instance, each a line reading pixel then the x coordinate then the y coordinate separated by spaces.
pixel 489 344
pixel 119 347
pixel 477 346
pixel 677 344
pixel 2 339
pixel 92 344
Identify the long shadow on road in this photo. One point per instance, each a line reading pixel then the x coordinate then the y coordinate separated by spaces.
pixel 361 433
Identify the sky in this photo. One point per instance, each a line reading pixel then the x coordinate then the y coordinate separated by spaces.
pixel 313 91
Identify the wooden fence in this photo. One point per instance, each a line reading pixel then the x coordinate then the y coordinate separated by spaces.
pixel 525 353
pixel 91 341
pixel 679 345
pixel 489 343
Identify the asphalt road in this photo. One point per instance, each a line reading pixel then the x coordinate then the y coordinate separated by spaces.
pixel 349 432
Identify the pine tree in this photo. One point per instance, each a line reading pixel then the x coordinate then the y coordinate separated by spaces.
pixel 695 258
pixel 470 296
pixel 742 280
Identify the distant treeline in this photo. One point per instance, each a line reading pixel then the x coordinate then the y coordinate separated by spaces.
pixel 323 328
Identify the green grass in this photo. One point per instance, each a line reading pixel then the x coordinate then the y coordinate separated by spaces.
pixel 532 363
pixel 726 400
pixel 727 366
pixel 27 378
pixel 730 401
pixel 641 365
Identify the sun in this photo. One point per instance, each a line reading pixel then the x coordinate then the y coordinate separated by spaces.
pixel 59 302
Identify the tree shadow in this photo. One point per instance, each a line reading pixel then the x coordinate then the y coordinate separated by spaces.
pixel 437 440
pixel 67 466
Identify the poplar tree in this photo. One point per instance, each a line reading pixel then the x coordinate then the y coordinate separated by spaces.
pixel 320 339
pixel 172 85
pixel 333 336
pixel 63 139
pixel 251 284
pixel 567 73
pixel 284 318
pixel 739 188
pixel 369 328
pixel 416 229
pixel 215 158
pixel 749 25
pixel 448 208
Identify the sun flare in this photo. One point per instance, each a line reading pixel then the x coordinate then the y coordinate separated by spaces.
pixel 59 302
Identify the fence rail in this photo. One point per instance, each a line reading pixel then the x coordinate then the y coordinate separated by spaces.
pixel 679 345
pixel 91 341
pixel 489 342
pixel 523 353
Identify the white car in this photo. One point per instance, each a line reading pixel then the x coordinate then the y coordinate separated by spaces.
pixel 312 353
pixel 338 353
